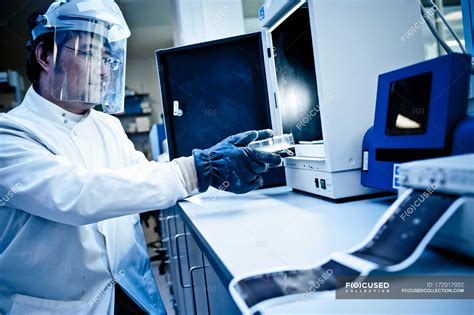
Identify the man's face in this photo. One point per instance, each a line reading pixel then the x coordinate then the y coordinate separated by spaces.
pixel 81 74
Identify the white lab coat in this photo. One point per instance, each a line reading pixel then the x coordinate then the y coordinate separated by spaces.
pixel 69 199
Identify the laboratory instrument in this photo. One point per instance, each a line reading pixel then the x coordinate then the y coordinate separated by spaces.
pixel 420 113
pixel 324 81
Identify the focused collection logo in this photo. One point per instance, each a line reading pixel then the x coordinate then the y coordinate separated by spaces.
pixel 367 287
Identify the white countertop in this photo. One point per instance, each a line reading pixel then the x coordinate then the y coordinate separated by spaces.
pixel 278 228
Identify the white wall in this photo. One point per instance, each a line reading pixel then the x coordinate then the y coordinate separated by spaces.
pixel 203 20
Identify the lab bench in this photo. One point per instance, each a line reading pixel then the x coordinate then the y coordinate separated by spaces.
pixel 216 236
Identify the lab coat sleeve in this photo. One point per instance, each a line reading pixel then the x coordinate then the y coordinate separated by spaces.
pixel 50 186
pixel 187 169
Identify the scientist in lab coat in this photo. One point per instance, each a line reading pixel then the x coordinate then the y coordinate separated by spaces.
pixel 72 184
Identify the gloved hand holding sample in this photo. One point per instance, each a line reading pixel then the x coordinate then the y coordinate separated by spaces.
pixel 231 163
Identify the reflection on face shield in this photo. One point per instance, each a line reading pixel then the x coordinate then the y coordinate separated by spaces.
pixel 101 61
pixel 88 69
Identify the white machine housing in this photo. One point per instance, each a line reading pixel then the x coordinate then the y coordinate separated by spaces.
pixel 353 42
pixel 452 175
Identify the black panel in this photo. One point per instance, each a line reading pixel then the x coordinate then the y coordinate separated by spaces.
pixel 407 155
pixel 408 105
pixel 296 77
pixel 221 88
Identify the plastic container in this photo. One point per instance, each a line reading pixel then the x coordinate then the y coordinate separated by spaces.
pixel 282 145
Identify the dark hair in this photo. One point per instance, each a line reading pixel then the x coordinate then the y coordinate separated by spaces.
pixel 33 68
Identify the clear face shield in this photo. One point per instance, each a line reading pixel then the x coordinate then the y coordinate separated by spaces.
pixel 89 68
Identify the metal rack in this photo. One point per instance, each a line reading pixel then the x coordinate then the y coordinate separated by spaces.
pixel 11 82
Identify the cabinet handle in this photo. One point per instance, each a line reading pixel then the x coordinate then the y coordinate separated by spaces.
pixel 191 272
pixel 176 239
pixel 165 233
pixel 176 110
pixel 169 239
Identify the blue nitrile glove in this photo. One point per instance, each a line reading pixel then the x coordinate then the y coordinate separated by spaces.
pixel 230 166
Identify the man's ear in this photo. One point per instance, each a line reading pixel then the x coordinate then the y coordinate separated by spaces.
pixel 44 57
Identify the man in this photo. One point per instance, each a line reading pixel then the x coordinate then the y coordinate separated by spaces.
pixel 72 184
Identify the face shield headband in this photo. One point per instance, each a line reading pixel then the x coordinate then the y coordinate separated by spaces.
pixel 90 41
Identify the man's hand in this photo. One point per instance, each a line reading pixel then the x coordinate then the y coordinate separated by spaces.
pixel 232 165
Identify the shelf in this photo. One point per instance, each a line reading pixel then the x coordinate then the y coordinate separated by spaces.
pixel 137 133
pixel 137 95
pixel 132 115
